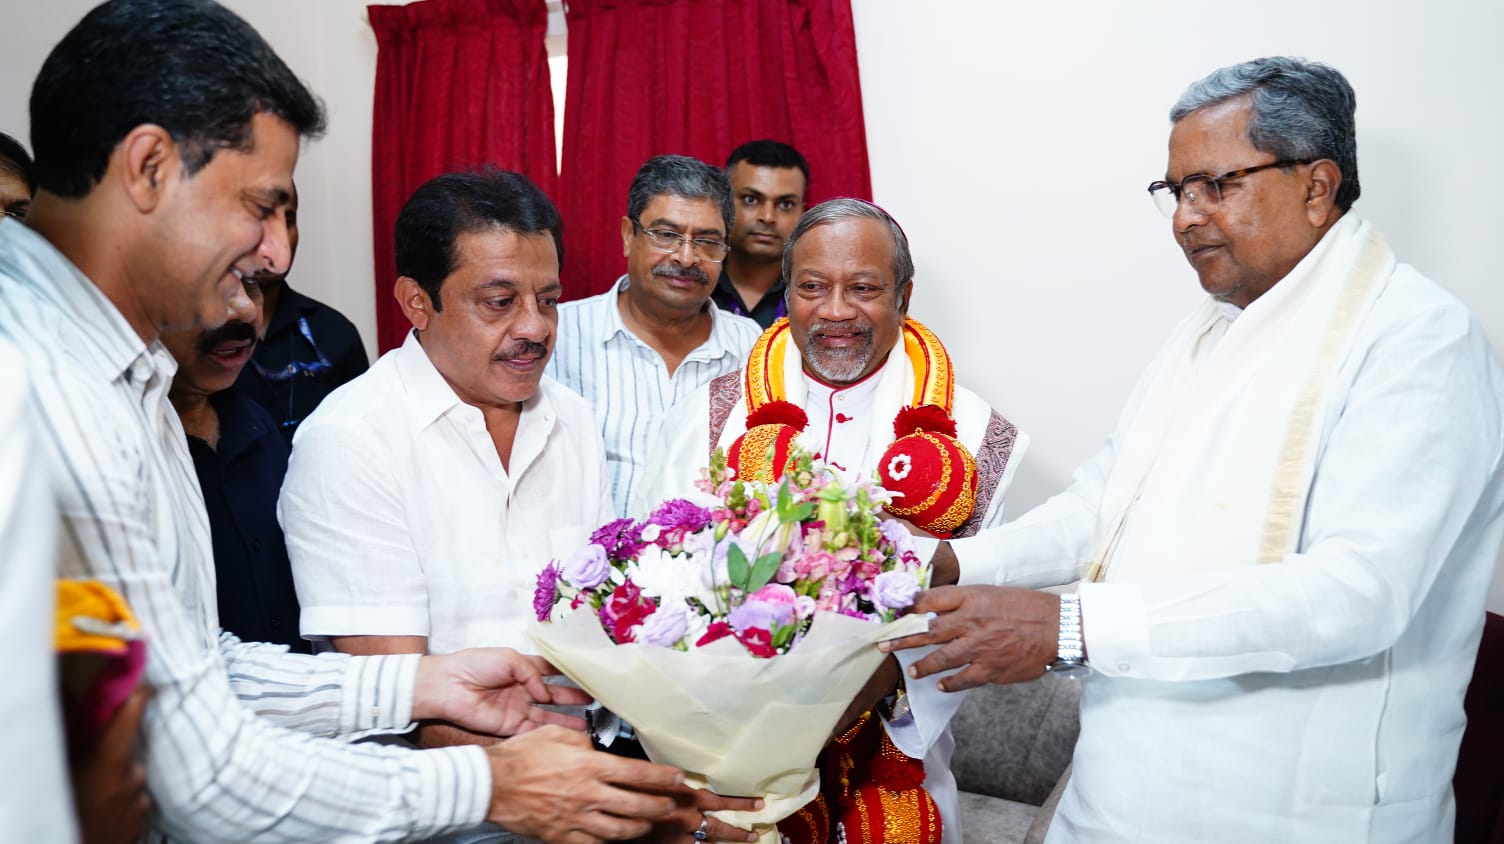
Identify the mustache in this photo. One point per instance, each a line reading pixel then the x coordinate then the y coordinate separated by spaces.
pixel 523 349
pixel 682 272
pixel 231 332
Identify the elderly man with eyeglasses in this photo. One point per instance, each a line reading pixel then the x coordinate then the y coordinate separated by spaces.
pixel 1286 543
pixel 656 336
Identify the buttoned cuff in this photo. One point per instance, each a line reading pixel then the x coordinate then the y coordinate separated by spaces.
pixel 1115 626
pixel 378 695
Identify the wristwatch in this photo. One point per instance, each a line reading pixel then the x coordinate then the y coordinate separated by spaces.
pixel 1070 657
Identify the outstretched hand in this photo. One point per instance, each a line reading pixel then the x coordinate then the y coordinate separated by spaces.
pixel 1001 634
pixel 495 691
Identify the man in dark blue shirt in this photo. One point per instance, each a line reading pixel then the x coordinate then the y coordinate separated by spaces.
pixel 241 458
pixel 307 348
pixel 768 181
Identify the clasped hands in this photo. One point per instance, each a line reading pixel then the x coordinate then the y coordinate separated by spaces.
pixel 547 781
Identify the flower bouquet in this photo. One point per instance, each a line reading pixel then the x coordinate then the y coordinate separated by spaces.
pixel 733 637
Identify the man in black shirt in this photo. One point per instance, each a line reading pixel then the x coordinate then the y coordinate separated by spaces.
pixel 240 459
pixel 307 349
pixel 768 180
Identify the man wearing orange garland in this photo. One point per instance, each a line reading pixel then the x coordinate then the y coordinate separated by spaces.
pixel 855 381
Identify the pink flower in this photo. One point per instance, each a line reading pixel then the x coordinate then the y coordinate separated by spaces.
pixel 776 593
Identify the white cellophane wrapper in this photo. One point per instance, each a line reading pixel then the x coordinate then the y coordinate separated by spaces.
pixel 736 723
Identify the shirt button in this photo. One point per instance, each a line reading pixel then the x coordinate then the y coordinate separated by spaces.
pixel 1123 666
pixel 256 544
pixel 275 620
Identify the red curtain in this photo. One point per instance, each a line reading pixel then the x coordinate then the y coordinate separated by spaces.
pixel 460 84
pixel 699 77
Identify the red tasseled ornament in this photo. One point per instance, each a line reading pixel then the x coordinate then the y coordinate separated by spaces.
pixel 897 772
pixel 782 413
pixel 926 417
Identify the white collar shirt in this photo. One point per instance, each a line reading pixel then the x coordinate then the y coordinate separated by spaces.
pixel 402 521
pixel 840 423
pixel 627 382
pixel 217 741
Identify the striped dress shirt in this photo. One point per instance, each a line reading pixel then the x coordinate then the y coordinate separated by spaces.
pixel 626 381
pixel 233 739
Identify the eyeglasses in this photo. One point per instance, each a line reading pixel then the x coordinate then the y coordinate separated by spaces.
pixel 1205 192
pixel 669 242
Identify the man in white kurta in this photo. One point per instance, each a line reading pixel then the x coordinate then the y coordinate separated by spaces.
pixel 1287 540
pixel 402 521
pixel 847 357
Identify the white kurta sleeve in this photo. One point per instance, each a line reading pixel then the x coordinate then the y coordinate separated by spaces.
pixel 1406 491
pixel 356 571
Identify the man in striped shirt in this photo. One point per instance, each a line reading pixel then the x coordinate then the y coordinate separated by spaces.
pixel 166 132
pixel 655 337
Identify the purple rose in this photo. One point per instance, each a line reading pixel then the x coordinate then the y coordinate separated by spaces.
pixel 765 615
pixel 679 514
pixel 894 590
pixel 902 540
pixel 665 627
pixel 588 568
pixel 547 592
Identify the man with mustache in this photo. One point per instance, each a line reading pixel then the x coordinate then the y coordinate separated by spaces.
pixel 768 180
pixel 851 359
pixel 166 133
pixel 656 336
pixel 240 459
pixel 307 349
pixel 424 496
pixel 1286 544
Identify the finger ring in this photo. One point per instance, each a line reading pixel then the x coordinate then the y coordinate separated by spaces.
pixel 703 833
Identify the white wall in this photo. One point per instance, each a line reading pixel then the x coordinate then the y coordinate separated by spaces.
pixel 1014 141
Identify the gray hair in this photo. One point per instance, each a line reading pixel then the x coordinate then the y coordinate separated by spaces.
pixel 682 176
pixel 1301 110
pixel 835 210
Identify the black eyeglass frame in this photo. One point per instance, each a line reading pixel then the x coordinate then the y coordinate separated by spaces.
pixel 696 244
pixel 1176 189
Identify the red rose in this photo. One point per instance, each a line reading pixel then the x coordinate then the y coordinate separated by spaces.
pixel 758 642
pixel 625 609
pixel 716 630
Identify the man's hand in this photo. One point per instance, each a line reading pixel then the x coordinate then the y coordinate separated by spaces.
pixel 1001 634
pixel 492 691
pixel 109 786
pixel 691 804
pixel 550 784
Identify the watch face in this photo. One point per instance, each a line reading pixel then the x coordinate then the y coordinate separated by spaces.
pixel 1072 670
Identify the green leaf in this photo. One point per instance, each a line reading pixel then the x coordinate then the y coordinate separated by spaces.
pixel 763 571
pixel 785 498
pixel 802 512
pixel 784 634
pixel 736 566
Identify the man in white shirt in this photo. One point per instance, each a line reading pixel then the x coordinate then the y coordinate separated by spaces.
pixel 655 337
pixel 424 497
pixel 166 132
pixel 850 357
pixel 1287 541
